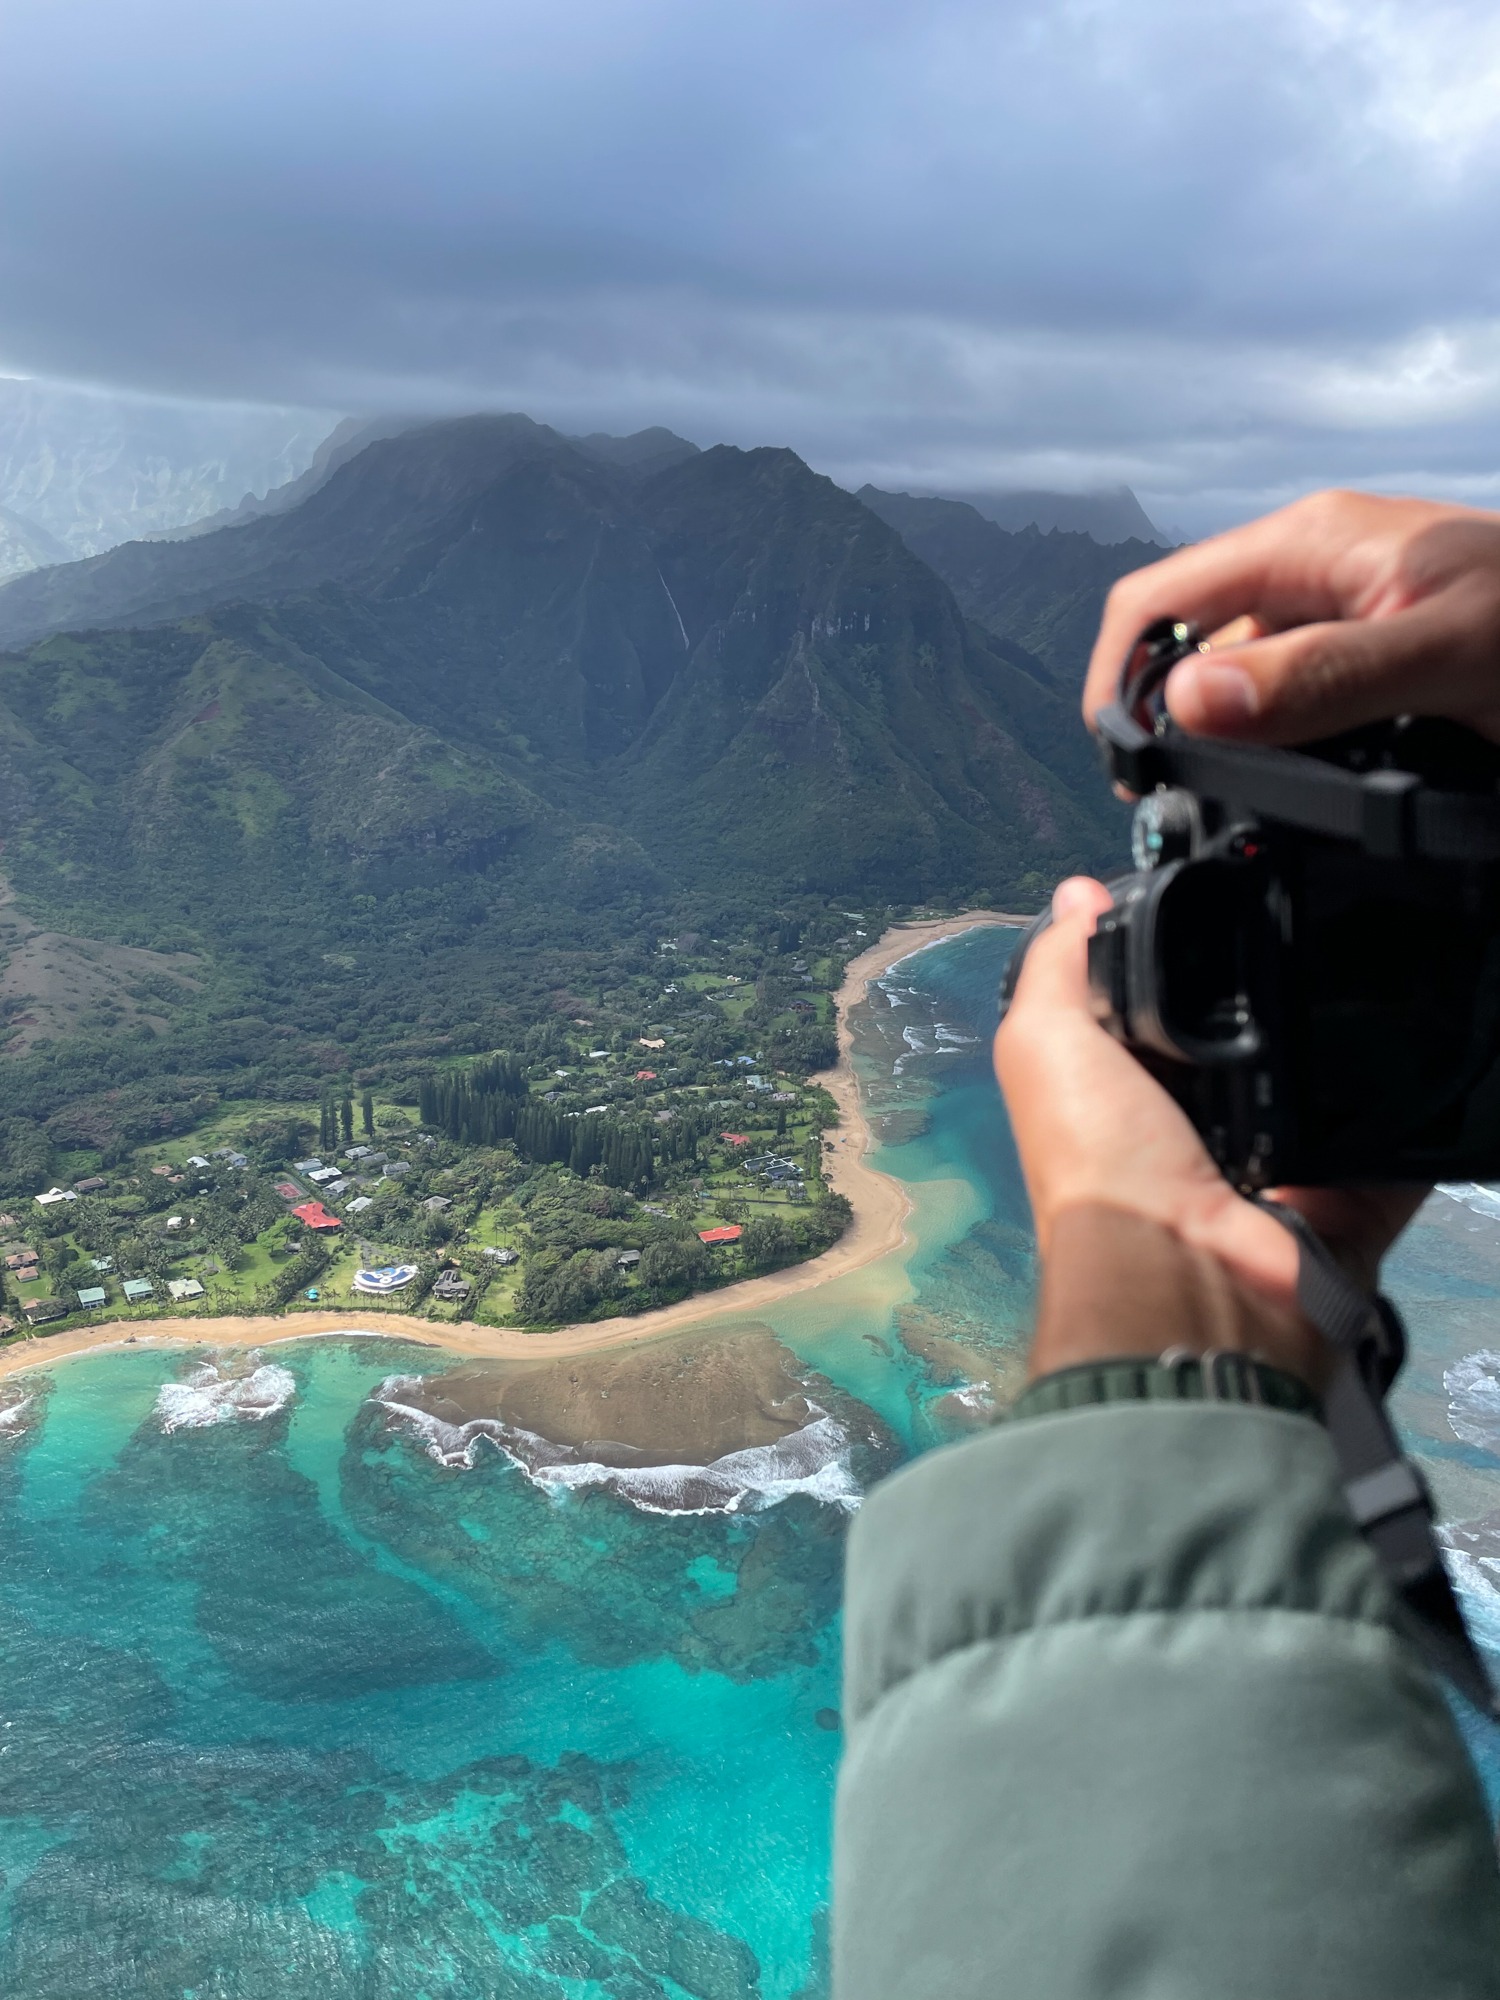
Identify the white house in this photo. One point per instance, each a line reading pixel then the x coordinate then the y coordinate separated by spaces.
pixel 55 1194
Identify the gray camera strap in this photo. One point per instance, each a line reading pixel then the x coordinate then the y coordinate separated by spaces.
pixel 1386 1493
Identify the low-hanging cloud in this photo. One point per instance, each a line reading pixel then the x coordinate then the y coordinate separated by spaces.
pixel 1219 253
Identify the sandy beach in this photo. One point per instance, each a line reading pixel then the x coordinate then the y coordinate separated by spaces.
pixel 880 1206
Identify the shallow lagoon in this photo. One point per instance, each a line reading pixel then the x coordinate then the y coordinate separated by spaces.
pixel 290 1708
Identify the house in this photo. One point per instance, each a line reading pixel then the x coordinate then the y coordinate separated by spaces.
pixel 451 1286
pixel 436 1203
pixel 104 1264
pixel 398 1167
pixel 55 1194
pixel 184 1288
pixel 338 1186
pixel 590 1109
pixel 322 1174
pixel 359 1202
pixel 90 1185
pixel 647 1042
pixel 356 1152
pixel 728 1232
pixel 595 1055
pixel 92 1296
pixel 627 1260
pixel 783 1096
pixel 385 1278
pixel 136 1289
pixel 239 1159
pixel 645 1076
pixel 163 1172
pixel 8 1222
pixel 179 1222
pixel 502 1256
pixel 734 1138
pixel 37 1310
pixel 306 1166
pixel 194 1160
pixel 22 1260
pixel 316 1216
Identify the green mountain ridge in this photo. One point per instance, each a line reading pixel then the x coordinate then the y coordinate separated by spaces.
pixel 485 712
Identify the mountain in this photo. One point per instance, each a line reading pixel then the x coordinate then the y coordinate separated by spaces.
pixel 1112 514
pixel 1044 592
pixel 24 546
pixel 87 468
pixel 389 770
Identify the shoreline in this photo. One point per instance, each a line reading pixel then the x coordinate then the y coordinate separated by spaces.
pixel 880 1203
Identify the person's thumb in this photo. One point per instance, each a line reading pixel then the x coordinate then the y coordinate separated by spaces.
pixel 1055 976
pixel 1297 686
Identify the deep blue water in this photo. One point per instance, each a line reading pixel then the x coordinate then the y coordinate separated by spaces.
pixel 287 1708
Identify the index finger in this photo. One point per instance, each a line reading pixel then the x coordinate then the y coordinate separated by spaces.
pixel 1250 571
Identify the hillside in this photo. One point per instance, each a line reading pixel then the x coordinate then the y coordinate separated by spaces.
pixel 399 769
pixel 1042 591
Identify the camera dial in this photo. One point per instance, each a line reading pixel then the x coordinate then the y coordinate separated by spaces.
pixel 1166 827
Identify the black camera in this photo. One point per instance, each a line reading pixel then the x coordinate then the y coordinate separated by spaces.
pixel 1307 955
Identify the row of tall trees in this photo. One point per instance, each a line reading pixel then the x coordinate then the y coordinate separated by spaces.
pixel 336 1119
pixel 487 1104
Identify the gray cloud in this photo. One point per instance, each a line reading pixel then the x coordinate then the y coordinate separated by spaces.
pixel 1221 253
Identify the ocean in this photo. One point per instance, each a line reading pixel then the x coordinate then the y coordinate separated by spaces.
pixel 300 1698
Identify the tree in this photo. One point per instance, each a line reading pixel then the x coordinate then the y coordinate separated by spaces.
pixel 346 1118
pixel 367 1114
pixel 767 1243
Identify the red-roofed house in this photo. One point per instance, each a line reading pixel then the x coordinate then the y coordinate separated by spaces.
pixel 734 1138
pixel 316 1216
pixel 645 1076
pixel 728 1232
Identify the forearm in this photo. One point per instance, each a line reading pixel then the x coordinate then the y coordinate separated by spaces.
pixel 1127 1710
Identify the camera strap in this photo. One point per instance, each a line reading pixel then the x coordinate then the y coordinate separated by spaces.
pixel 1387 1495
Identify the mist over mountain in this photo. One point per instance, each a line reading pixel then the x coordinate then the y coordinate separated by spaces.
pixel 1112 514
pixel 84 469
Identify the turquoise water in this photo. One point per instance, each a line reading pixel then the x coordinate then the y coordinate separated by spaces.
pixel 288 1708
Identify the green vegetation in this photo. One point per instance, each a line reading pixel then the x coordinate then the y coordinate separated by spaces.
pixel 489 745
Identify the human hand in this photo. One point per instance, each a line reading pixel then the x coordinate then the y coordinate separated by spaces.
pixel 1095 1131
pixel 1342 609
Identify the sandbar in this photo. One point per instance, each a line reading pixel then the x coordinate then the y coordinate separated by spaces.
pixel 880 1204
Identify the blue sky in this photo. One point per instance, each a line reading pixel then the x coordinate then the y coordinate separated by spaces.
pixel 1219 252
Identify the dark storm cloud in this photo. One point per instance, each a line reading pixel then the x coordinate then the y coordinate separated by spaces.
pixel 1218 252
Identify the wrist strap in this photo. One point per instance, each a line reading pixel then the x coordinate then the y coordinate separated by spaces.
pixel 1222 1375
pixel 1387 1495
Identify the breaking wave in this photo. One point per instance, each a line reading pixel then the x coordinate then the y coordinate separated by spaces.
pixel 209 1396
pixel 1473 1388
pixel 13 1417
pixel 1473 1195
pixel 813 1460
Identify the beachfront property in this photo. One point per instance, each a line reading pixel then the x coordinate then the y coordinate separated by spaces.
pixel 184 1288
pixel 137 1289
pixel 38 1310
pixel 92 1297
pixel 451 1286
pixel 385 1279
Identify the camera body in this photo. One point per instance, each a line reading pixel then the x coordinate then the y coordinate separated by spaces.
pixel 1307 954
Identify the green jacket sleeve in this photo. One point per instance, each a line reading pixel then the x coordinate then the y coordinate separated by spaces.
pixel 1127 1716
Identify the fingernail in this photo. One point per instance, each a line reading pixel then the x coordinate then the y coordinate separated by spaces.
pixel 1212 692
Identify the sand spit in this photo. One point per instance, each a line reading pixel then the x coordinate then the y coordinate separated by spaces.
pixel 880 1203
